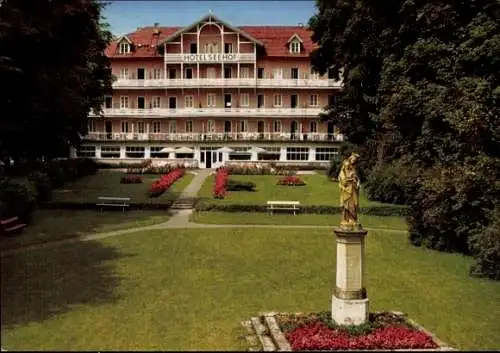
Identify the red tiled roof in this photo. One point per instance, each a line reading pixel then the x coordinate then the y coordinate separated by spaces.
pixel 274 38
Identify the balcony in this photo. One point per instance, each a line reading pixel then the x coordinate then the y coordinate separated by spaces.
pixel 214 136
pixel 121 83
pixel 210 58
pixel 211 112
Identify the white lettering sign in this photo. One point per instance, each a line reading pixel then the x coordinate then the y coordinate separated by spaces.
pixel 209 57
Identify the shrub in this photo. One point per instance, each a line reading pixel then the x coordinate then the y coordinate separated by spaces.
pixel 394 183
pixel 221 178
pixel 234 185
pixel 165 182
pixel 485 245
pixel 452 204
pixel 131 179
pixel 42 185
pixel 291 181
pixel 17 199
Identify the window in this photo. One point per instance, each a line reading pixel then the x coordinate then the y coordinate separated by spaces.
pixel 244 126
pixel 123 102
pixel 172 126
pixel 278 100
pixel 228 48
pixel 155 152
pixel 193 48
pixel 277 126
pixel 86 152
pixel 189 126
pixel 188 73
pixel 125 126
pixel 313 100
pixel 172 73
pixel 141 127
pixel 270 154
pixel 124 48
pixel 297 153
pixel 227 72
pixel 211 72
pixel 110 152
pixel 260 72
pixel 211 126
pixel 245 99
pixel 211 100
pixel 108 102
pixel 278 73
pixel 156 102
pixel 313 127
pixel 325 153
pixel 91 126
pixel 141 102
pixel 156 127
pixel 134 152
pixel 294 73
pixel 124 73
pixel 188 102
pixel 244 72
pixel 156 74
pixel 314 74
pixel 295 47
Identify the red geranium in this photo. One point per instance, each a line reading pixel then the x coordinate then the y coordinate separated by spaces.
pixel 291 180
pixel 221 178
pixel 165 182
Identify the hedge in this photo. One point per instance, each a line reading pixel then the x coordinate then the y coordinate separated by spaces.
pixel 309 209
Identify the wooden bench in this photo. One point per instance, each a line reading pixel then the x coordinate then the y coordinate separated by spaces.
pixel 11 225
pixel 105 201
pixel 283 205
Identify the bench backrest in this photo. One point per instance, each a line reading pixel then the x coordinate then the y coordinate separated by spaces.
pixel 114 198
pixel 283 202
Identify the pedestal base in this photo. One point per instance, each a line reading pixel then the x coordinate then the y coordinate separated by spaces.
pixel 349 311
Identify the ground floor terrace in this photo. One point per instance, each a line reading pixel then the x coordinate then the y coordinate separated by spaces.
pixel 210 154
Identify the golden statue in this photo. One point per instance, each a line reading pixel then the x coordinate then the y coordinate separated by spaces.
pixel 349 191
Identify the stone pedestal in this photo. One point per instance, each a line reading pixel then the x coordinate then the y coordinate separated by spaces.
pixel 349 301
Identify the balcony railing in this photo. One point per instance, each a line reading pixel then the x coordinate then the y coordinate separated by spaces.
pixel 210 58
pixel 226 82
pixel 211 112
pixel 213 136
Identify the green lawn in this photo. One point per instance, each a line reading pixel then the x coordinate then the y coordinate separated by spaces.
pixel 52 225
pixel 107 183
pixel 188 289
pixel 317 191
pixel 288 219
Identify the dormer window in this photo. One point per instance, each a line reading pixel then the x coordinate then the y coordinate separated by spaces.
pixel 295 47
pixel 124 48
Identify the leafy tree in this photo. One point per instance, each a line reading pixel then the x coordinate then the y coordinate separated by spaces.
pixel 422 89
pixel 53 72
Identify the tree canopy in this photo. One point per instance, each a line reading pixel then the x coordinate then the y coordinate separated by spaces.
pixel 53 72
pixel 422 90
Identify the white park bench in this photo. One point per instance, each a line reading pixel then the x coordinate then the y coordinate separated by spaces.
pixel 122 202
pixel 283 205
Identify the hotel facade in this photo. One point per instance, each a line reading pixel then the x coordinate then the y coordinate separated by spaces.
pixel 211 93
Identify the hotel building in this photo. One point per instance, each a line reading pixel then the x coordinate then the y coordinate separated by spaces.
pixel 210 93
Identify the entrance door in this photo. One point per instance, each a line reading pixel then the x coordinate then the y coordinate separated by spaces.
pixel 172 102
pixel 294 129
pixel 227 101
pixel 294 101
pixel 140 74
pixel 208 159
pixel 109 130
pixel 330 130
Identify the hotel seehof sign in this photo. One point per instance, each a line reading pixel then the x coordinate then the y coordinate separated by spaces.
pixel 210 57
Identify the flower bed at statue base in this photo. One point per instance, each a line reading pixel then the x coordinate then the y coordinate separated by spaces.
pixel 317 332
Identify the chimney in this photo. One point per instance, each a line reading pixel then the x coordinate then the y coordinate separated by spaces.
pixel 156 30
pixel 156 24
pixel 301 24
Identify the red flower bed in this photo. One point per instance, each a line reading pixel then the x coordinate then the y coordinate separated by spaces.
pixel 291 180
pixel 165 182
pixel 221 179
pixel 317 336
pixel 131 179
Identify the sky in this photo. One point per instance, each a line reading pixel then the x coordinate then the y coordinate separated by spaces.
pixel 124 16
